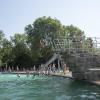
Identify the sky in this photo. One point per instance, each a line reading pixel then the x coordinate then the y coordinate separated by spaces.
pixel 16 14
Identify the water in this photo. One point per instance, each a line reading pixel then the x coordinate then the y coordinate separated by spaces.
pixel 45 88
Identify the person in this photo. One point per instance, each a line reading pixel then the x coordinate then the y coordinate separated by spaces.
pixel 9 69
pixel 64 69
pixel 49 69
pixel 46 70
pixel 12 68
pixel 34 68
pixel 27 73
pixel 18 75
pixel 17 68
pixel 54 68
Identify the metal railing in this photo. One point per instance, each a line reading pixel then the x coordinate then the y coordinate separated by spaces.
pixel 89 44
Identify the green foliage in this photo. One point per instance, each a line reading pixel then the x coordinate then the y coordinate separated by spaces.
pixel 74 32
pixel 45 54
pixel 6 51
pixel 19 39
pixel 1 37
pixel 40 33
pixel 75 36
pixel 21 53
pixel 34 46
pixel 47 27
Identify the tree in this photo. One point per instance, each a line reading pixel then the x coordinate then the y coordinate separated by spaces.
pixel 6 52
pixel 75 36
pixel 1 38
pixel 1 41
pixel 47 27
pixel 21 53
pixel 41 33
pixel 19 38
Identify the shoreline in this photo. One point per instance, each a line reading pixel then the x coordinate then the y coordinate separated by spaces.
pixel 57 74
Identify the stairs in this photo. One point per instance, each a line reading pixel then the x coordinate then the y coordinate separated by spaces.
pixel 54 57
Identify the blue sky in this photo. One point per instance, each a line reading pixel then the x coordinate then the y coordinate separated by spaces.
pixel 16 14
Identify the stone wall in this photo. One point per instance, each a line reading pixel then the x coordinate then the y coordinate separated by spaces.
pixel 93 74
pixel 80 64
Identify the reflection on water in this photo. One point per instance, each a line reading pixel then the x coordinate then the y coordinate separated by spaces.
pixel 45 88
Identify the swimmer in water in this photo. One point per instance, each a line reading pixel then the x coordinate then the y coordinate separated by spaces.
pixel 18 75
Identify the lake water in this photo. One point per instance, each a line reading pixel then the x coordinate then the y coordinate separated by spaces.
pixel 37 87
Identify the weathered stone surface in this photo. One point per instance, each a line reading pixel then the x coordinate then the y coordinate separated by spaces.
pixel 94 74
pixel 81 62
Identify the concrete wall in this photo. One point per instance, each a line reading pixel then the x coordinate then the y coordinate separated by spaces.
pixel 81 65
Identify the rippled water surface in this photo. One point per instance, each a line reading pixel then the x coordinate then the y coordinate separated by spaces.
pixel 45 88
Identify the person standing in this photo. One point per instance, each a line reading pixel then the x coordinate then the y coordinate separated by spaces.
pixel 54 68
pixel 64 69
